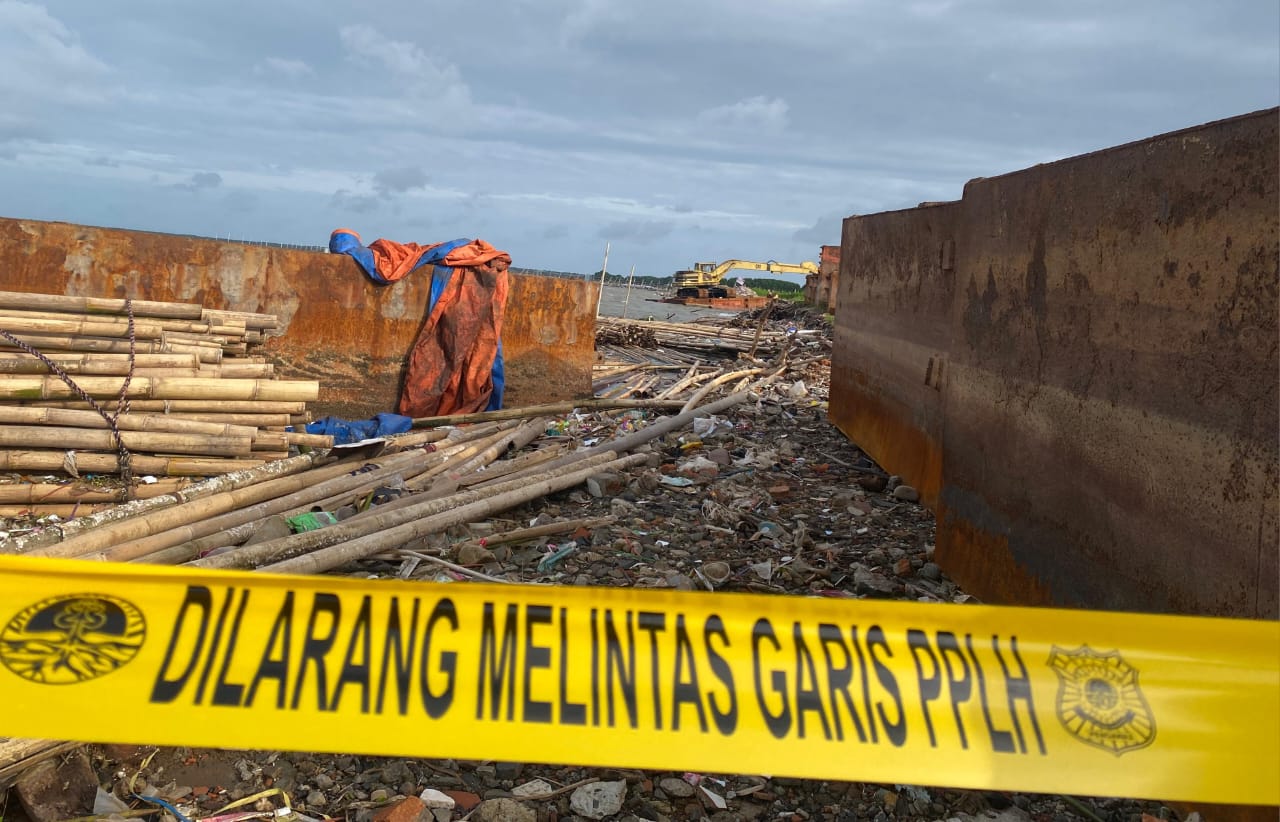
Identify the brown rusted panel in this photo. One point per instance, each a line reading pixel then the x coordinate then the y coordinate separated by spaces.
pixel 548 339
pixel 1107 413
pixel 337 326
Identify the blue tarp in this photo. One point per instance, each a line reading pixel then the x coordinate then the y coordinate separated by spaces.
pixel 348 431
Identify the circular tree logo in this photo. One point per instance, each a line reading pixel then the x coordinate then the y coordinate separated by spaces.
pixel 73 638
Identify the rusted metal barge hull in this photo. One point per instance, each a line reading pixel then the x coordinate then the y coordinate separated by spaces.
pixel 1077 366
pixel 336 326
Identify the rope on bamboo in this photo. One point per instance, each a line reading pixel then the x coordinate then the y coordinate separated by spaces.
pixel 122 404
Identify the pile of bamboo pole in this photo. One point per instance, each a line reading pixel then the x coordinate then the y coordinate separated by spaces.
pixel 202 398
pixel 621 337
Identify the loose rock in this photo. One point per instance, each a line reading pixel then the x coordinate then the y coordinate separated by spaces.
pixel 503 810
pixel 599 799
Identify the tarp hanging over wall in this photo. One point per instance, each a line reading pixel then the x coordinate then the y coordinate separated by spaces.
pixel 455 366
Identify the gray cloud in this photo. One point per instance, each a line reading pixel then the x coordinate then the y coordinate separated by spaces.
pixel 635 121
pixel 201 180
pixel 399 180
pixel 343 200
pixel 641 232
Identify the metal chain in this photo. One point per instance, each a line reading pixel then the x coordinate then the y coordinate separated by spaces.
pixel 122 453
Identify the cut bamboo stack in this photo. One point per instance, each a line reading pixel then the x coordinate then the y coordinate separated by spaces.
pixel 202 397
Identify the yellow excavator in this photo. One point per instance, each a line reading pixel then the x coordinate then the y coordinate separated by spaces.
pixel 704 279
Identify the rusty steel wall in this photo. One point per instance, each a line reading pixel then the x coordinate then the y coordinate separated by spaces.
pixel 1077 364
pixel 337 326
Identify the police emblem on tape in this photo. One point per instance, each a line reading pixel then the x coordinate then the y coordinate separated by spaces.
pixel 73 638
pixel 1099 701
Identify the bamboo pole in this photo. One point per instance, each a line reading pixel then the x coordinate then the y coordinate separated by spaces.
pixel 537 532
pixel 140 360
pixel 233 370
pixel 247 476
pixel 46 343
pixel 185 513
pixel 64 510
pixel 46 493
pixel 106 463
pixel 252 321
pixel 393 516
pixel 185 526
pixel 98 305
pixel 35 415
pixel 142 329
pixel 64 438
pixel 101 369
pixel 192 406
pixel 523 462
pixel 335 556
pixel 29 388
pixel 646 434
pixel 312 440
pixel 720 380
pixel 546 408
pixel 231 329
pixel 251 420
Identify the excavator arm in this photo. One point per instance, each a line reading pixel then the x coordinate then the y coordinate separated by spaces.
pixel 706 277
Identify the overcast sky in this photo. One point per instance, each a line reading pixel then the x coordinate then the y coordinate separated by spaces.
pixel 679 130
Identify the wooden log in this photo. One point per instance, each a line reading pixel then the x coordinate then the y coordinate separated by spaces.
pixel 89 462
pixel 44 493
pixel 64 439
pixel 98 305
pixel 35 415
pixel 36 387
pixel 192 406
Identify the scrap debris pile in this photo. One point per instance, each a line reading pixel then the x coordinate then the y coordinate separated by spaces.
pixel 696 467
pixel 188 390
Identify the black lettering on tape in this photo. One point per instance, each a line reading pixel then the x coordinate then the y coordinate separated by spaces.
pixel 271 666
pixel 653 622
pixel 1001 741
pixel 959 689
pixel 214 644
pixel 839 679
pixel 808 696
pixel 779 724
pixel 399 652
pixel 500 665
pixel 535 656
pixel 224 692
pixel 726 720
pixel 624 668
pixel 436 703
pixel 314 647
pixel 571 713
pixel 929 687
pixel 164 689
pixel 896 731
pixel 685 690
pixel 1018 690
pixel 353 672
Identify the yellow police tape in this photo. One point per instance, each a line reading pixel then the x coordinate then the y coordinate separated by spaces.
pixel 1045 700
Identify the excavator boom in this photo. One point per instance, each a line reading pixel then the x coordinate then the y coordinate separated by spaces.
pixel 704 279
